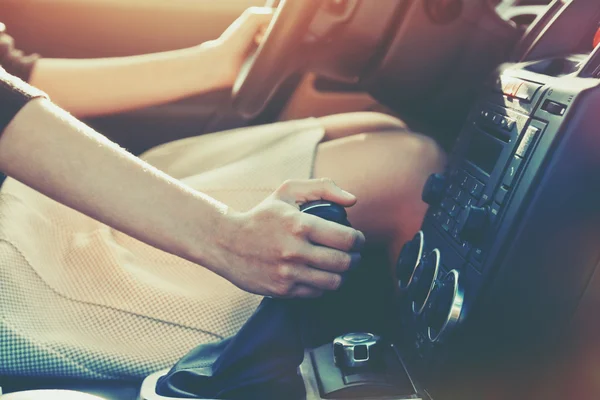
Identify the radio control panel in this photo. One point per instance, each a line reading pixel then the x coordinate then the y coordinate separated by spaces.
pixel 475 208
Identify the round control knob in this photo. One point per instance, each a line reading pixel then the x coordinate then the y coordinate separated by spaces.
pixel 356 350
pixel 472 223
pixel 433 191
pixel 410 256
pixel 445 308
pixel 423 281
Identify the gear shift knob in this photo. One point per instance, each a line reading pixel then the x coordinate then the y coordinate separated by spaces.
pixel 327 210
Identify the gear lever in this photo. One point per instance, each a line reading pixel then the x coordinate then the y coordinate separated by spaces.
pixel 261 361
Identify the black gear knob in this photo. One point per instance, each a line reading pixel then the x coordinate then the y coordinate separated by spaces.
pixel 327 210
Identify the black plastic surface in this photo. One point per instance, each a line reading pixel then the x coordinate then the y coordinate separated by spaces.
pixel 335 383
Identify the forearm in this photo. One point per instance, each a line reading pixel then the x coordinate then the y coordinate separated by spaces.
pixel 91 87
pixel 53 153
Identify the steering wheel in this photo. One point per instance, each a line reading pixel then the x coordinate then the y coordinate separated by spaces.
pixel 276 57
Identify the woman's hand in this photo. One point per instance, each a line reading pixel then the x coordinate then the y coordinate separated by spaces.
pixel 239 40
pixel 275 250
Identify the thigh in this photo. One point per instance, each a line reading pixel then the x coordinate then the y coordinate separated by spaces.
pixel 387 172
pixel 344 125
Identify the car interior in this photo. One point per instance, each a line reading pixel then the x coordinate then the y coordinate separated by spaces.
pixel 496 296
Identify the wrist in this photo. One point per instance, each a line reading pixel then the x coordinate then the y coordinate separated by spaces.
pixel 223 68
pixel 211 247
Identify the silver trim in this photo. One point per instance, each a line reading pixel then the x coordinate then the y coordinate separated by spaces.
pixel 348 344
pixel 421 236
pixel 455 309
pixel 435 274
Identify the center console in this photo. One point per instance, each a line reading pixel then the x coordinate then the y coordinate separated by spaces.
pixel 509 243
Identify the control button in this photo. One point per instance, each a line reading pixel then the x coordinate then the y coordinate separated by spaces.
pixel 454 210
pixel 457 193
pixel 512 171
pixel 434 189
pixel 494 212
pixel 528 139
pixel 424 280
pixel 445 309
pixel 510 85
pixel 501 195
pixel 476 188
pixel 462 178
pixel 464 199
pixel 554 108
pixel 447 223
pixel 527 91
pixel 510 124
pixel 473 222
pixel 477 255
pixel 497 119
pixel 450 207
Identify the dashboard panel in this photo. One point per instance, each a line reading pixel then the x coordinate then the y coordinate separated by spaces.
pixel 491 283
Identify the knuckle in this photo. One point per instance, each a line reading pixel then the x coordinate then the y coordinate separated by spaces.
pixel 284 274
pixel 286 186
pixel 299 226
pixel 328 182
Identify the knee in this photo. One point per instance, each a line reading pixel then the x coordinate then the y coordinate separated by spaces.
pixel 342 125
pixel 430 156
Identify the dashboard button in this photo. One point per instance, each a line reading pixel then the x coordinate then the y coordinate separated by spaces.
pixel 477 255
pixel 510 124
pixel 462 178
pixel 554 108
pixel 512 171
pixel 528 138
pixel 497 119
pixel 501 195
pixel 465 199
pixel 527 91
pixel 494 212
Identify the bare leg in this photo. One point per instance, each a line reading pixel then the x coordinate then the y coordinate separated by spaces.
pixel 386 170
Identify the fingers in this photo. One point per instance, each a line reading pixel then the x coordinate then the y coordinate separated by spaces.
pixel 302 191
pixel 336 236
pixel 249 23
pixel 331 260
pixel 256 18
pixel 316 278
pixel 305 292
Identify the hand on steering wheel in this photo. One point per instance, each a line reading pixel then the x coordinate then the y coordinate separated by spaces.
pixel 276 57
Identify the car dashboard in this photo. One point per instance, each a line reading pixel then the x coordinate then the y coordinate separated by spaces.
pixel 496 288
pixel 497 294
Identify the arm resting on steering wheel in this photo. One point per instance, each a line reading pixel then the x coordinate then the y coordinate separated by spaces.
pixel 89 87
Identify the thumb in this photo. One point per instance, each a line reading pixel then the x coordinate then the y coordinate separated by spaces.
pixel 302 191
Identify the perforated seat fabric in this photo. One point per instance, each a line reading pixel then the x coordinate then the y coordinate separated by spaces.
pixel 79 299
